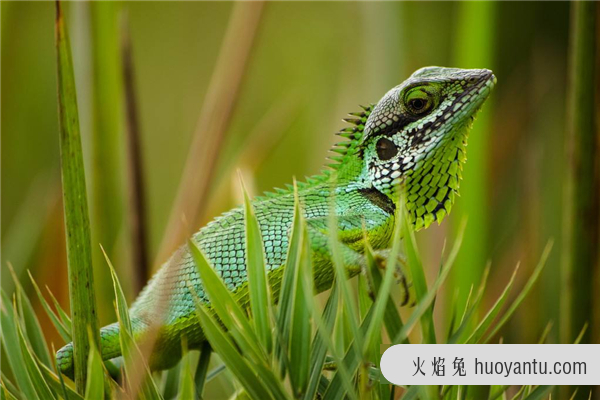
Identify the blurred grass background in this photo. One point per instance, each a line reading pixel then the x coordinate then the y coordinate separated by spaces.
pixel 309 64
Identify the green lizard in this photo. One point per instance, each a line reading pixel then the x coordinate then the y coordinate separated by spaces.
pixel 413 139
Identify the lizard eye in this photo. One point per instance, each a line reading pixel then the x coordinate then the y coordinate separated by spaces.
pixel 418 101
pixel 386 149
pixel 417 104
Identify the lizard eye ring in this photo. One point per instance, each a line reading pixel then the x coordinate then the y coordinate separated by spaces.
pixel 418 101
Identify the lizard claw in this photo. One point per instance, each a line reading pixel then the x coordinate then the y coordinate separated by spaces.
pixel 382 257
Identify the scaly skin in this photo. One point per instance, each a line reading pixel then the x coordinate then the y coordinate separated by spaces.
pixel 413 139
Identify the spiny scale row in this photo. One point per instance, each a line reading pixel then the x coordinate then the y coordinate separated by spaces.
pixel 353 133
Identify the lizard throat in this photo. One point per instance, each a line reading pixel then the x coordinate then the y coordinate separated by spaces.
pixel 432 188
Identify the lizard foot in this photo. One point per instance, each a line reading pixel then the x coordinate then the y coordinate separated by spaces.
pixel 382 260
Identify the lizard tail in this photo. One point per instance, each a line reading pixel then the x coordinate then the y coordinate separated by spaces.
pixel 109 342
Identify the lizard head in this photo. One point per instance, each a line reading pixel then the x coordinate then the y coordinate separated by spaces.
pixel 414 138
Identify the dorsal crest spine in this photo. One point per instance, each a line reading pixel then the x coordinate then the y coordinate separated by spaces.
pixel 353 133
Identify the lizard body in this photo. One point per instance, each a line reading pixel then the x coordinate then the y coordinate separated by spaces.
pixel 413 139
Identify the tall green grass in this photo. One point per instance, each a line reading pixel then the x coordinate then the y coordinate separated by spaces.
pixel 473 49
pixel 77 224
pixel 581 214
pixel 290 351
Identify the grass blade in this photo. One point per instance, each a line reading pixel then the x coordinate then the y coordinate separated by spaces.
pixel 260 298
pixel 170 382
pixel 5 393
pixel 424 304
pixel 64 317
pixel 8 386
pixel 136 369
pixel 470 311
pixel 10 343
pixel 42 388
pixel 300 335
pixel 8 389
pixel 532 279
pixel 95 383
pixel 202 368
pixel 63 330
pixel 340 383
pixel 419 282
pixel 57 383
pixel 186 380
pixel 233 317
pixel 77 223
pixel 540 393
pixel 240 368
pixel 31 324
pixel 412 393
pixel 289 283
pixel 213 373
pixel 319 347
pixel 491 315
pixel 393 322
pixel 106 188
pixel 121 302
pixel 579 337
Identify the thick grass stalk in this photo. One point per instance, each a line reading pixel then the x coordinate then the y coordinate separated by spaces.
pixel 79 256
pixel 474 49
pixel 106 187
pixel 474 45
pixel 581 215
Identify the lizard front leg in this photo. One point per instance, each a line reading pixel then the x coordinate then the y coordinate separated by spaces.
pixel 351 247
